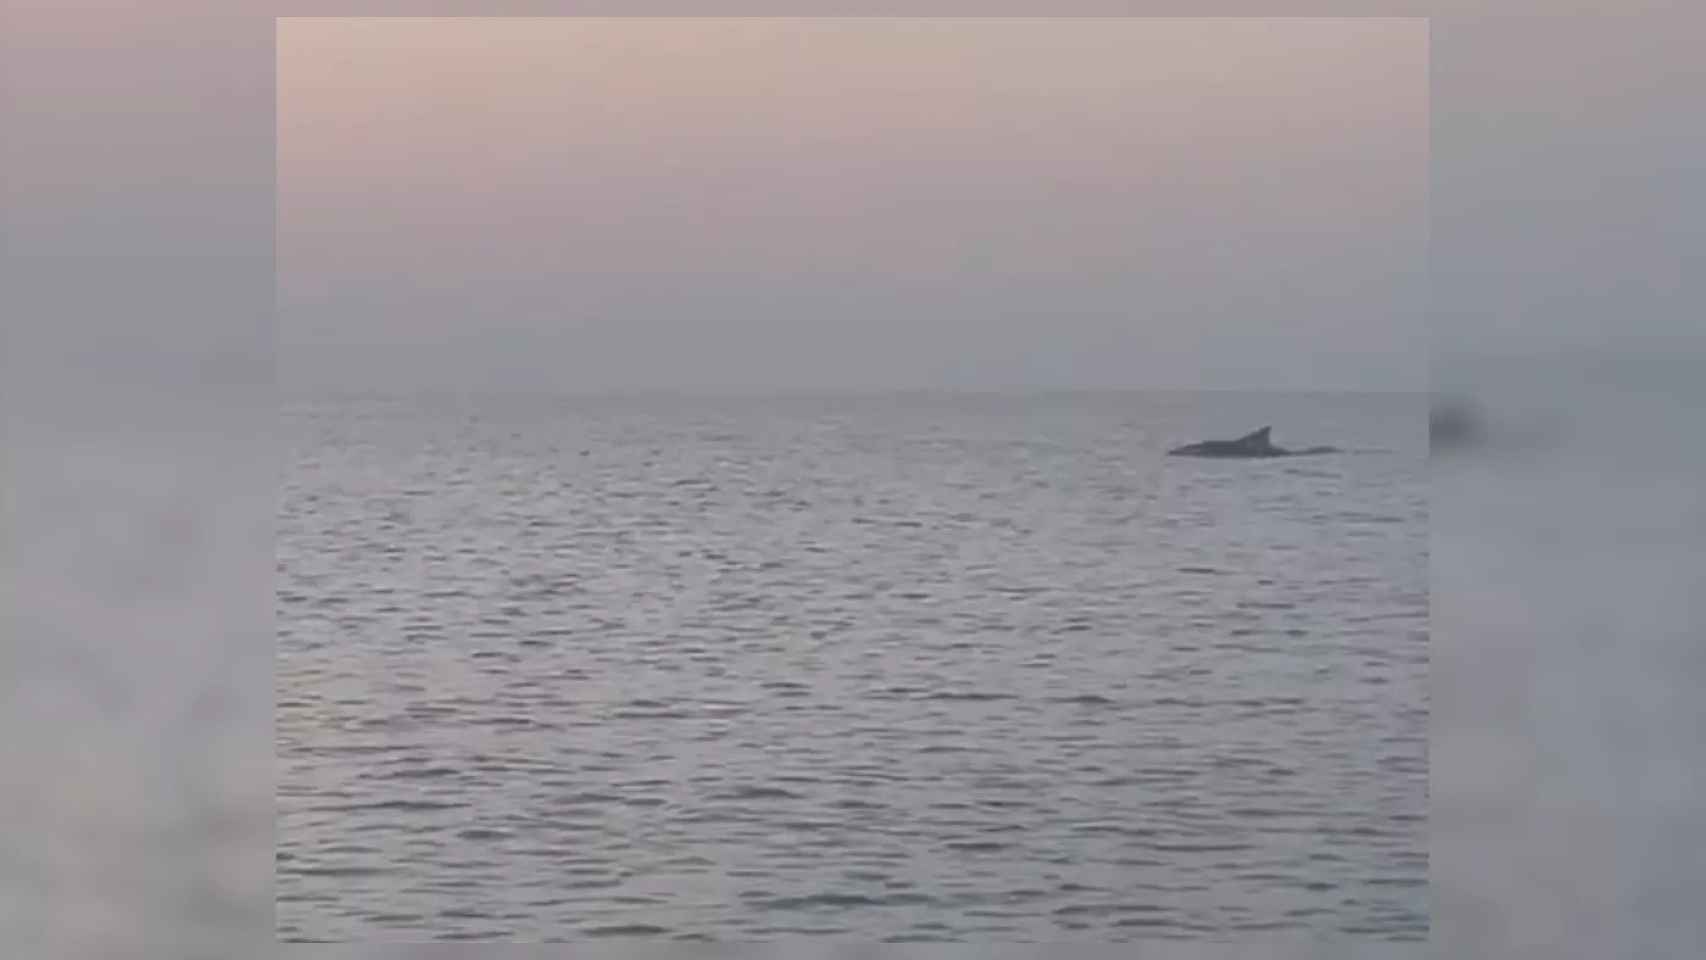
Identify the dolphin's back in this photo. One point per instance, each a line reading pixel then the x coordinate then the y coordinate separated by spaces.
pixel 1256 443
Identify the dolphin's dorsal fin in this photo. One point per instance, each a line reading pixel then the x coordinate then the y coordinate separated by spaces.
pixel 1260 437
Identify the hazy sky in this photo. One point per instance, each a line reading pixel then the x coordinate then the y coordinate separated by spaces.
pixel 595 204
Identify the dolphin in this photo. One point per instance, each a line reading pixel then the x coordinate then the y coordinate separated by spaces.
pixel 1254 444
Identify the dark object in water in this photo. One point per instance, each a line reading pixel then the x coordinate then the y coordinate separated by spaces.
pixel 1250 445
pixel 1453 424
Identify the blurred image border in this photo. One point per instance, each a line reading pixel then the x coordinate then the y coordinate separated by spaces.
pixel 141 467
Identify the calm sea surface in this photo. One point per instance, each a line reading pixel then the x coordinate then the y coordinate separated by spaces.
pixel 980 668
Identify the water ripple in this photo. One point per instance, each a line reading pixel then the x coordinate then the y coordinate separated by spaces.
pixel 880 672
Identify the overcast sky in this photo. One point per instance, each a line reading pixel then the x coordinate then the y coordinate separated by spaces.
pixel 589 205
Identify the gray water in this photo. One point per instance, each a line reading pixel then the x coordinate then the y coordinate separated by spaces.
pixel 984 668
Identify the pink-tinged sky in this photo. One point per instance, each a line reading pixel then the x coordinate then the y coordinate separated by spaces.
pixel 593 204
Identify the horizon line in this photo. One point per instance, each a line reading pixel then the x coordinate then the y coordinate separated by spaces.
pixel 759 393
